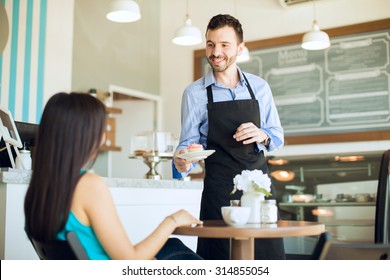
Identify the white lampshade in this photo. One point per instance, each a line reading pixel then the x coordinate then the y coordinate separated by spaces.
pixel 244 56
pixel 187 35
pixel 315 39
pixel 123 11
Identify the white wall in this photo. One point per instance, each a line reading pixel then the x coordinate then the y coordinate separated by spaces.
pixel 59 49
pixel 106 52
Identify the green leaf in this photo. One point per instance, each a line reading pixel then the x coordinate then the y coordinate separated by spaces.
pixel 262 190
pixel 234 190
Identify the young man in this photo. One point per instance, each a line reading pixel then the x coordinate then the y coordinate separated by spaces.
pixel 233 113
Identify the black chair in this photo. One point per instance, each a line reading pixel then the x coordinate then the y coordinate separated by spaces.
pixel 354 251
pixel 322 239
pixel 382 216
pixel 315 254
pixel 69 249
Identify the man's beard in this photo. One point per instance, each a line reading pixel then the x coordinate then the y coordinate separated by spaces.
pixel 221 67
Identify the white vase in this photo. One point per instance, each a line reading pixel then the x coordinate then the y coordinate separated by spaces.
pixel 253 200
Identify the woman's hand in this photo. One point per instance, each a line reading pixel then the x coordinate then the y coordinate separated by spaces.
pixel 250 133
pixel 184 218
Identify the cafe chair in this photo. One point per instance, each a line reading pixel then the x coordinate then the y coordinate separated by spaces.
pixel 69 249
pixel 354 251
pixel 319 247
pixel 315 254
pixel 382 215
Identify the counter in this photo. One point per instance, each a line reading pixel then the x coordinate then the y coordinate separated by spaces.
pixel 141 204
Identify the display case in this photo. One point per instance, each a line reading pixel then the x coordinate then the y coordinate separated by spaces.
pixel 152 147
pixel 337 190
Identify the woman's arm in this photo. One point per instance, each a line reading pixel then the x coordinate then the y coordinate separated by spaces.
pixel 94 206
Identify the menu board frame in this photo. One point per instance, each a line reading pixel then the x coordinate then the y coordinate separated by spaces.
pixel 287 41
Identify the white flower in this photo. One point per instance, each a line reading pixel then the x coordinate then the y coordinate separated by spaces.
pixel 252 181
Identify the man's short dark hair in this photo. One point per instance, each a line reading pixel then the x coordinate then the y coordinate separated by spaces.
pixel 220 21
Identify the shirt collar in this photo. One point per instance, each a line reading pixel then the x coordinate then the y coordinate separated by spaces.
pixel 209 78
pixel 241 74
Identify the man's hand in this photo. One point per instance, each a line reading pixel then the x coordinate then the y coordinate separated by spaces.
pixel 181 164
pixel 249 133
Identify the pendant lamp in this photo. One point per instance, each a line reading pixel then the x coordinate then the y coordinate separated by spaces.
pixel 315 39
pixel 187 35
pixel 123 11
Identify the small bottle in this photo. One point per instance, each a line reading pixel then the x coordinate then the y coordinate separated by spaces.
pixel 25 158
pixel 93 92
pixel 269 211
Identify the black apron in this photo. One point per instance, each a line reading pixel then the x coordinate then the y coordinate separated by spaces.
pixel 231 157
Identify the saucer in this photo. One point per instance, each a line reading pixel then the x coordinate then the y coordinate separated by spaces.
pixel 198 155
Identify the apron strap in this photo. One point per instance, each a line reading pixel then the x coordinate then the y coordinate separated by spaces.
pixel 209 95
pixel 252 94
pixel 210 92
pixel 249 87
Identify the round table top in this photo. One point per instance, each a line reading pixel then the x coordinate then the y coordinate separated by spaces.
pixel 219 229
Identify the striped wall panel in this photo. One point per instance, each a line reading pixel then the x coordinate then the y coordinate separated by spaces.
pixel 22 62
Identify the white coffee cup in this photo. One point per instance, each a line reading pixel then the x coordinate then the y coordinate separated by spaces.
pixel 235 215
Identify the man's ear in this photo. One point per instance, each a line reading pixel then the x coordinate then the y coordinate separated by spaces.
pixel 240 48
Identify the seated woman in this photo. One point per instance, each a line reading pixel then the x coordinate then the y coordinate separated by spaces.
pixel 61 197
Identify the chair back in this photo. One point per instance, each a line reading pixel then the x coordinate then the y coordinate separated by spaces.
pixel 322 239
pixel 69 249
pixel 355 251
pixel 382 216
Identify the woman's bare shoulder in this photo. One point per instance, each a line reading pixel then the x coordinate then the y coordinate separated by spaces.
pixel 91 182
pixel 90 176
pixel 91 193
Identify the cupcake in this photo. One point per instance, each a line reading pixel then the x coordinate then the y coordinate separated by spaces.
pixel 194 148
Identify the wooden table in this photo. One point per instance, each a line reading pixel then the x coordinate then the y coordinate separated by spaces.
pixel 242 238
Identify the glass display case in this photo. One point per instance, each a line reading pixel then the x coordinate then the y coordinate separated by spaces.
pixel 152 147
pixel 337 190
pixel 152 142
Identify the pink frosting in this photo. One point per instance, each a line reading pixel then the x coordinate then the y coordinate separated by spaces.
pixel 194 146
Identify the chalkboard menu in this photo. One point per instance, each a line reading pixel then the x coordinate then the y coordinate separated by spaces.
pixel 341 90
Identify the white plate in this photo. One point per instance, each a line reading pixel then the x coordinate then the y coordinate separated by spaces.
pixel 198 155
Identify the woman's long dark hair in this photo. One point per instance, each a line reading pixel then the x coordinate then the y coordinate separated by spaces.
pixel 69 135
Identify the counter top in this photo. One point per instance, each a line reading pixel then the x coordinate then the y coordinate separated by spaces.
pixel 327 204
pixel 17 176
pixel 150 183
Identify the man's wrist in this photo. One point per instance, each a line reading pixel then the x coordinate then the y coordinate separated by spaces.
pixel 266 141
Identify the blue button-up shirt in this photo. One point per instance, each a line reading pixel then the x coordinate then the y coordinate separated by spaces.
pixel 194 115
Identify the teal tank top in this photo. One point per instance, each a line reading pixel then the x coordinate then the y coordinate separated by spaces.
pixel 87 237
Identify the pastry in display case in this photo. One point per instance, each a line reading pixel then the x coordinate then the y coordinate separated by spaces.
pixel 152 147
pixel 153 143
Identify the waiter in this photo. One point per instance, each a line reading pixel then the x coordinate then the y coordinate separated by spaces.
pixel 233 113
